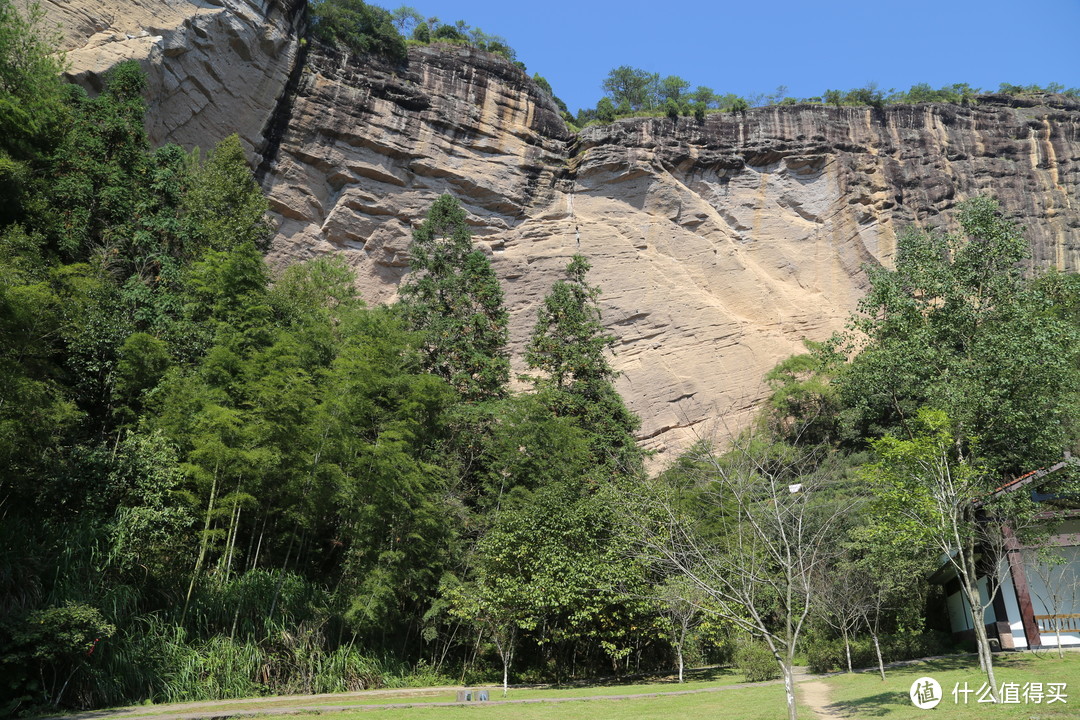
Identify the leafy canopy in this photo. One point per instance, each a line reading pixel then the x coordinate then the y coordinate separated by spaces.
pixel 358 27
pixel 453 297
pixel 958 327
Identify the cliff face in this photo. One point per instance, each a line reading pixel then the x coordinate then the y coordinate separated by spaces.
pixel 719 246
pixel 214 67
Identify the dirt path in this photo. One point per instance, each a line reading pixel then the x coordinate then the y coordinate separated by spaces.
pixel 815 693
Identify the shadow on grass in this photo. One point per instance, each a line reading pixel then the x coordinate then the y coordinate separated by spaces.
pixel 955 662
pixel 971 663
pixel 871 706
pixel 708 674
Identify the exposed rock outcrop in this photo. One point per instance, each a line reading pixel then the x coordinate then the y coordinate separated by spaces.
pixel 214 67
pixel 719 245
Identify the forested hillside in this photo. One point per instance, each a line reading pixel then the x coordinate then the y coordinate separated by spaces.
pixel 220 478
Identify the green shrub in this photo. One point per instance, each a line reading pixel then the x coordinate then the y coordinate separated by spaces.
pixel 448 33
pixel 44 650
pixel 671 109
pixel 824 656
pixel 756 662
pixel 358 27
pixel 907 646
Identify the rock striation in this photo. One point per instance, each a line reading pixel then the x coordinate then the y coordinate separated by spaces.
pixel 719 245
pixel 214 67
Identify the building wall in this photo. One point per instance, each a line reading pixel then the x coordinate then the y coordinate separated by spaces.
pixel 960 609
pixel 1055 590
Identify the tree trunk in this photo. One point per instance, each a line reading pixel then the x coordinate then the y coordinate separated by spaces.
pixel 789 690
pixel 880 660
pixel 258 548
pixel 986 660
pixel 679 652
pixel 506 674
pixel 234 532
pixel 202 548
pixel 847 650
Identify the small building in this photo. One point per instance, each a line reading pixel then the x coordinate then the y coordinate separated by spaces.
pixel 1036 599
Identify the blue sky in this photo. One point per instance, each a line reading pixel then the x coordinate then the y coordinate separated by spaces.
pixel 749 47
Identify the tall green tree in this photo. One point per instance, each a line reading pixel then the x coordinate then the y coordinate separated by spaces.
pixel 673 87
pixel 454 298
pixel 224 206
pixel 406 18
pixel 704 95
pixel 957 326
pixel 569 342
pixel 570 346
pixel 930 490
pixel 32 111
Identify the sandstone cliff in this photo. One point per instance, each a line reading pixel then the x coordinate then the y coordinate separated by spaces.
pixel 214 67
pixel 719 245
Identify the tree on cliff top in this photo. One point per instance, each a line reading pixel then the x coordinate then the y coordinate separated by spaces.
pixel 632 88
pixel 454 298
pixel 355 26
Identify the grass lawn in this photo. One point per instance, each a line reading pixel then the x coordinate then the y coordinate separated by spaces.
pixel 861 695
pixel 864 695
pixel 856 696
pixel 696 680
pixel 752 703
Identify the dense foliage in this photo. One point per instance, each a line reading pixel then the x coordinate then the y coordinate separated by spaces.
pixel 360 27
pixel 357 27
pixel 220 479
pixel 959 372
pixel 633 92
pixel 961 324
